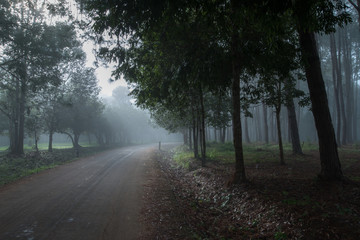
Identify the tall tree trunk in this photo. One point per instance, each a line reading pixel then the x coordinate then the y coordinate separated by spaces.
pixel 278 126
pixel 258 124
pixel 341 96
pixel 20 143
pixel 239 175
pixel 14 137
pixel 247 138
pixel 266 126
pixel 185 137
pixel 196 152
pixel 202 131
pixel 357 8
pixel 355 127
pixel 190 140
pixel 335 70
pixel 329 158
pixel 223 135
pixel 294 130
pixel 348 86
pixel 50 147
pixel 76 140
pixel 36 138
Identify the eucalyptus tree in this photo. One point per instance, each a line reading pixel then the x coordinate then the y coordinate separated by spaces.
pixel 30 60
pixel 356 5
pixel 81 104
pixel 320 16
pixel 34 125
pixel 240 29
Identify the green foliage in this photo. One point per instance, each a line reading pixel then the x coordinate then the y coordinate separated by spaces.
pixel 279 235
pixel 183 157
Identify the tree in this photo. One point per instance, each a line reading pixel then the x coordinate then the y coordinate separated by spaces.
pixel 171 41
pixel 31 58
pixel 319 16
pixel 82 105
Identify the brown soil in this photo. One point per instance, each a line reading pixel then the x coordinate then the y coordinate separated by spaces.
pixel 278 202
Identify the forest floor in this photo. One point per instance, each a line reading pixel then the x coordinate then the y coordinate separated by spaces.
pixel 186 201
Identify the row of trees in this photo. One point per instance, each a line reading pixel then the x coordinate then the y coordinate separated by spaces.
pixel 45 86
pixel 187 58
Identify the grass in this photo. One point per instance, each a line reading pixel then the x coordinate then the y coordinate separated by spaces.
pixel 44 146
pixel 258 153
pixel 13 168
pixel 182 157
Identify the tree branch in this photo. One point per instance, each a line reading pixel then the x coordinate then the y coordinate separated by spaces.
pixel 354 5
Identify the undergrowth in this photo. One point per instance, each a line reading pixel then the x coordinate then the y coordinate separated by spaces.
pixel 15 167
pixel 255 153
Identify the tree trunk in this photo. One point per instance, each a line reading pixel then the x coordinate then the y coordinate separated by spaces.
pixel 36 141
pixel 223 135
pixel 294 130
pixel 190 140
pixel 258 124
pixel 335 70
pixel 50 147
pixel 202 129
pixel 215 134
pixel 341 96
pixel 278 126
pixel 266 127
pixel 185 136
pixel 239 175
pixel 329 158
pixel 76 140
pixel 348 86
pixel 196 152
pixel 247 138
pixel 20 143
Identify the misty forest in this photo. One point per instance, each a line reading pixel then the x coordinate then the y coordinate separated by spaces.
pixel 245 115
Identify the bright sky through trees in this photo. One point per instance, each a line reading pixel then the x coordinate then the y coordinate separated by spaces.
pixel 103 74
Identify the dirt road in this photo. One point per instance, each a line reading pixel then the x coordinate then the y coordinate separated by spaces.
pixel 97 197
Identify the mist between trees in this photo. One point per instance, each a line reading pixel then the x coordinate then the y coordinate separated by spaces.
pixel 228 69
pixel 47 92
pixel 253 71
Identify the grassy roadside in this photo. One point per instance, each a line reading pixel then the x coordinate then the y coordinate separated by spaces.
pixel 258 153
pixel 13 168
pixel 278 202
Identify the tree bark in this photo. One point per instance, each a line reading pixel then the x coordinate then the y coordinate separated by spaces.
pixel 21 130
pixel 341 96
pixel 50 148
pixel 294 130
pixel 278 126
pixel 348 86
pixel 223 135
pixel 190 140
pixel 239 175
pixel 202 129
pixel 247 138
pixel 335 70
pixel 329 158
pixel 196 152
pixel 266 126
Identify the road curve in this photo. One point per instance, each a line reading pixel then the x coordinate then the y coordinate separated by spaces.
pixel 97 197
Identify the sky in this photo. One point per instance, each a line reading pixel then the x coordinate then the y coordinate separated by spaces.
pixel 103 74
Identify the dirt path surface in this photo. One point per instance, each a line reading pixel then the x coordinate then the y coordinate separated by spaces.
pixel 97 197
